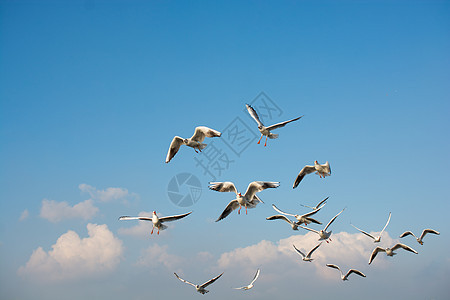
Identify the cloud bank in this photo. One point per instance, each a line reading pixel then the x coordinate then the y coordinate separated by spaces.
pixel 74 257
pixel 55 211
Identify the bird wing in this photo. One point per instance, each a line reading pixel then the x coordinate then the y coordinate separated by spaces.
pixel 282 212
pixel 312 212
pixel 254 115
pixel 279 217
pixel 406 233
pixel 258 186
pixel 400 245
pixel 320 203
pixel 389 218
pixel 356 272
pixel 185 281
pixel 327 165
pixel 211 281
pixel 334 267
pixel 313 220
pixel 174 147
pixel 173 218
pixel 135 218
pixel 256 277
pixel 281 124
pixel 226 186
pixel 305 171
pixel 313 249
pixel 374 253
pixel 332 220
pixel 234 204
pixel 299 252
pixel 362 231
pixel 310 229
pixel 202 131
pixel 428 231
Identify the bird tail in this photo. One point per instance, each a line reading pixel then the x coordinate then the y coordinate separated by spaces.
pixel 273 136
pixel 202 146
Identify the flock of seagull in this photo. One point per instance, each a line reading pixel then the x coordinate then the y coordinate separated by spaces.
pixel 250 200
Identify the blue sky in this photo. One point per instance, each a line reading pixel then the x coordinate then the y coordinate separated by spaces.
pixel 92 93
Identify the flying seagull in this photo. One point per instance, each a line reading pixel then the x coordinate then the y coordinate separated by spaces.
pixel 195 141
pixel 248 200
pixel 305 218
pixel 345 277
pixel 377 238
pixel 307 257
pixel 266 131
pixel 390 251
pixel 318 205
pixel 247 287
pixel 323 234
pixel 419 239
pixel 294 225
pixel 157 221
pixel 321 170
pixel 200 288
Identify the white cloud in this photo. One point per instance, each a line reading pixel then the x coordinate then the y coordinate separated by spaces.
pixel 157 255
pixel 106 195
pixel 72 257
pixel 56 211
pixel 25 214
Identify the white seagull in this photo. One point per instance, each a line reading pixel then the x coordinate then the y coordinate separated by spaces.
pixel 318 205
pixel 307 257
pixel 323 234
pixel 266 131
pixel 294 225
pixel 345 277
pixel 390 251
pixel 248 200
pixel 195 141
pixel 305 218
pixel 200 288
pixel 247 287
pixel 157 221
pixel 321 170
pixel 376 239
pixel 419 239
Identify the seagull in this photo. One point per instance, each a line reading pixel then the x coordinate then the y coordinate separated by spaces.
pixel 419 239
pixel 345 277
pixel 321 170
pixel 390 251
pixel 378 238
pixel 200 288
pixel 294 225
pixel 249 199
pixel 251 283
pixel 157 222
pixel 267 130
pixel 305 218
pixel 318 205
pixel 323 234
pixel 307 257
pixel 195 141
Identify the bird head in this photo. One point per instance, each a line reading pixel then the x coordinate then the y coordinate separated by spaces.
pixel 154 212
pixel 185 141
pixel 260 127
pixel 239 194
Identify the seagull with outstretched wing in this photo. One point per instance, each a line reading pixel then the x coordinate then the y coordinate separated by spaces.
pixel 344 277
pixel 390 251
pixel 200 288
pixel 157 221
pixel 307 257
pixel 305 218
pixel 420 239
pixel 195 141
pixel 266 131
pixel 324 234
pixel 376 239
pixel 321 170
pixel 247 287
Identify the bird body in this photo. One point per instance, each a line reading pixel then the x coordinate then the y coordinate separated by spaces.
pixel 321 170
pixel 195 141
pixel 200 287
pixel 248 200
pixel 344 277
pixel 390 251
pixel 420 239
pixel 266 131
pixel 156 221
